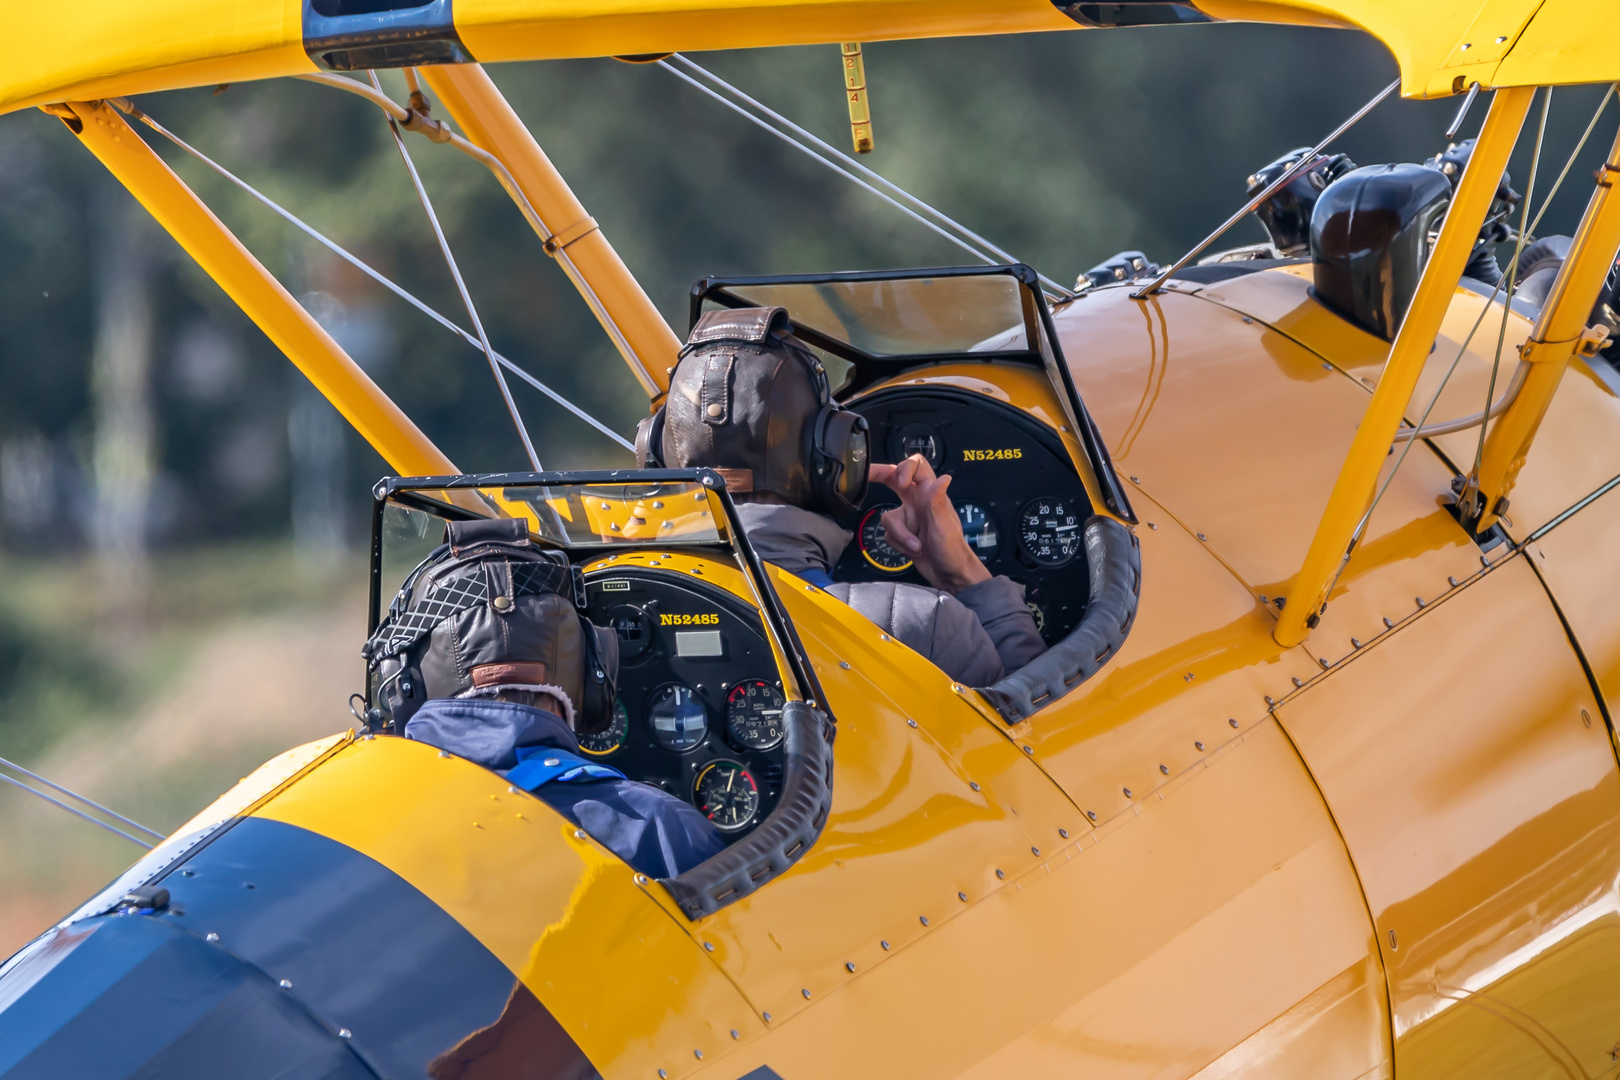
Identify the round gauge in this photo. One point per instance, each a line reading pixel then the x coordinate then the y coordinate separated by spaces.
pixel 874 544
pixel 754 714
pixel 924 440
pixel 634 629
pixel 726 794
pixel 979 530
pixel 1039 614
pixel 1050 530
pixel 603 743
pixel 677 718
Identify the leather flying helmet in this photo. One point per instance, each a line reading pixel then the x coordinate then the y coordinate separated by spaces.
pixel 752 402
pixel 489 611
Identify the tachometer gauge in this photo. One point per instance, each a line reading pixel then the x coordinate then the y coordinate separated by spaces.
pixel 726 794
pixel 754 714
pixel 980 531
pixel 1050 530
pixel 677 718
pixel 875 545
pixel 603 743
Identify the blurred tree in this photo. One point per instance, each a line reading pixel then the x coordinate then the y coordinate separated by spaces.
pixel 120 384
pixel 1062 148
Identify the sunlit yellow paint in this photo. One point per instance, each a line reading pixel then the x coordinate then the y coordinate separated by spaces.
pixel 1353 492
pixel 618 300
pixel 1557 336
pixel 560 911
pixel 88 48
pixel 523 29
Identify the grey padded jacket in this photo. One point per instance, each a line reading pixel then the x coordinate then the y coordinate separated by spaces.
pixel 977 637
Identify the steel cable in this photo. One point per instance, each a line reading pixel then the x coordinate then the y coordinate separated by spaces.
pixel 461 287
pixel 59 804
pixel 1270 189
pixel 1513 278
pixel 1411 438
pixel 942 224
pixel 375 275
pixel 153 833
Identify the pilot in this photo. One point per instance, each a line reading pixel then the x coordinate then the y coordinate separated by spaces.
pixel 484 654
pixel 751 401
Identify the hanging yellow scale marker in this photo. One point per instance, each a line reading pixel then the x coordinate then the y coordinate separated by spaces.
pixel 860 111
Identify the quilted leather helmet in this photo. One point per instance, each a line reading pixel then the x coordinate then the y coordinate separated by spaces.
pixel 752 402
pixel 491 611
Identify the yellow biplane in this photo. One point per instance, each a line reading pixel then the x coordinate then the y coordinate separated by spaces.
pixel 1318 777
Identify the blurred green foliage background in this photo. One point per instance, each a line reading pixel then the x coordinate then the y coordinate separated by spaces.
pixel 175 504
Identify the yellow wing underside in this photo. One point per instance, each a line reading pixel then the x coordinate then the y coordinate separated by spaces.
pixel 86 49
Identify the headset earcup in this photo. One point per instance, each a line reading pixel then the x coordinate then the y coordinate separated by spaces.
pixel 400 691
pixel 595 712
pixel 650 441
pixel 842 455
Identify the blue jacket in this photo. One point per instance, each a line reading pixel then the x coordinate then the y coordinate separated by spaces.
pixel 652 830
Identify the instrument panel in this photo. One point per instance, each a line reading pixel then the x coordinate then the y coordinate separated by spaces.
pixel 699 706
pixel 1022 506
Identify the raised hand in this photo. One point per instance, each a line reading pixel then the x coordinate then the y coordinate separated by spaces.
pixel 925 526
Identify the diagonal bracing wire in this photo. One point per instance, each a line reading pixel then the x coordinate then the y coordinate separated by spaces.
pixel 1513 267
pixel 824 153
pixel 75 811
pixel 1512 280
pixel 461 287
pixel 1270 189
pixel 375 275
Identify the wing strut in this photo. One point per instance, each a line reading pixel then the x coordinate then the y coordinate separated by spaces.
pixel 570 235
pixel 1560 334
pixel 347 256
pixel 294 331
pixel 1353 491
pixel 461 287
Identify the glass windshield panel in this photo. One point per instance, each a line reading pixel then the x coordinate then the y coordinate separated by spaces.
pixel 577 515
pixel 909 317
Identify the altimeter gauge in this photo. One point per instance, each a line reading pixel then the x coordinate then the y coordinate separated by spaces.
pixel 1049 529
pixel 754 714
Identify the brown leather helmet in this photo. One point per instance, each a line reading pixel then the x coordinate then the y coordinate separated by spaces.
pixel 491 611
pixel 752 402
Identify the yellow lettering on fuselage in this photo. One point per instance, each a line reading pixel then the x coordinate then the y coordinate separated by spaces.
pixel 1005 454
pixel 710 619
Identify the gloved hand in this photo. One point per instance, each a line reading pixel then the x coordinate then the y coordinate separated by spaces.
pixel 925 526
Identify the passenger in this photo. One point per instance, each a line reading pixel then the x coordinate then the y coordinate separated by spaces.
pixel 751 401
pixel 484 654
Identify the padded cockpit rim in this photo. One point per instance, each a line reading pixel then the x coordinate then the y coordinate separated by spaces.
pixel 790 830
pixel 1114 556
